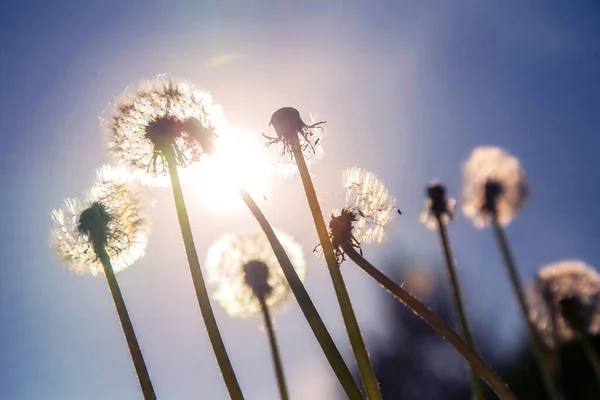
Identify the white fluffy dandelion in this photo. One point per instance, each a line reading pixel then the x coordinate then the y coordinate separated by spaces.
pixel 229 260
pixel 493 183
pixel 160 114
pixel 125 234
pixel 569 281
pixel 370 202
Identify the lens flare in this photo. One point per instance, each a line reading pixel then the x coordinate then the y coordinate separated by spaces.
pixel 239 161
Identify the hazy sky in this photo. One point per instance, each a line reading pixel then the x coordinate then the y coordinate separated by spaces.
pixel 407 89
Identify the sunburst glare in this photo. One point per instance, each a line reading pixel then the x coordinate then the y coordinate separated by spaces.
pixel 239 161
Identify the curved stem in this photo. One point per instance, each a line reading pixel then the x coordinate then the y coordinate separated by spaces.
pixel 306 305
pixel 458 302
pixel 132 342
pixel 210 322
pixel 515 281
pixel 356 339
pixel 499 387
pixel 277 364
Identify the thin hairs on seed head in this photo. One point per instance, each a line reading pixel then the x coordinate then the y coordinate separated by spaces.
pixel 565 280
pixel 287 123
pixel 186 117
pixel 126 236
pixel 226 263
pixel 493 168
pixel 372 204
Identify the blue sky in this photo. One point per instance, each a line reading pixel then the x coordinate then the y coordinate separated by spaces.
pixel 407 89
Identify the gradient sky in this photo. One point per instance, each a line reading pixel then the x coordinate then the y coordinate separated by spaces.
pixel 407 89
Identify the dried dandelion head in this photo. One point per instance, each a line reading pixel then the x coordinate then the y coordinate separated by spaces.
pixel 108 217
pixel 566 300
pixel 367 211
pixel 493 185
pixel 437 206
pixel 288 124
pixel 242 268
pixel 163 116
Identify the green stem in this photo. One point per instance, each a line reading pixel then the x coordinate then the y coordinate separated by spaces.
pixel 132 342
pixel 210 322
pixel 590 353
pixel 277 364
pixel 356 340
pixel 499 387
pixel 306 305
pixel 515 281
pixel 458 302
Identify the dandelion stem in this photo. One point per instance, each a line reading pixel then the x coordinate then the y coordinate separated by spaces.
pixel 499 387
pixel 515 281
pixel 277 364
pixel 458 301
pixel 132 342
pixel 306 305
pixel 212 329
pixel 356 340
pixel 590 353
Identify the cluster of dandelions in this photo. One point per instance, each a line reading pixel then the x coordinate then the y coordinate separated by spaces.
pixel 559 286
pixel 158 114
pixel 126 234
pixel 229 262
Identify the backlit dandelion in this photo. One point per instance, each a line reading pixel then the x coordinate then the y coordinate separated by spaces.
pixel 493 186
pixel 124 234
pixel 103 233
pixel 367 211
pixel 159 128
pixel 437 206
pixel 288 124
pixel 436 215
pixel 237 267
pixel 370 201
pixel 566 283
pixel 162 116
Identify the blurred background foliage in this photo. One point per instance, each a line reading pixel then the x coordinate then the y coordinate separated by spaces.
pixel 413 362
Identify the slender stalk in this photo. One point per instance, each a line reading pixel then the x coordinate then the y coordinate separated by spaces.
pixel 132 342
pixel 458 302
pixel 306 305
pixel 277 364
pixel 212 328
pixel 356 340
pixel 515 281
pixel 499 387
pixel 590 353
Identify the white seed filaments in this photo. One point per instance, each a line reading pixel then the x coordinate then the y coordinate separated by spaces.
pixel 566 299
pixel 109 216
pixel 241 267
pixel 494 185
pixel 159 116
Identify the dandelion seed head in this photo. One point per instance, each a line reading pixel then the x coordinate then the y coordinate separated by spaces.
pixel 160 113
pixel 566 292
pixel 236 268
pixel 437 205
pixel 493 183
pixel 287 124
pixel 110 214
pixel 372 205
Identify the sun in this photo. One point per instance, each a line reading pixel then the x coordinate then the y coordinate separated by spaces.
pixel 239 160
